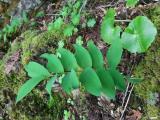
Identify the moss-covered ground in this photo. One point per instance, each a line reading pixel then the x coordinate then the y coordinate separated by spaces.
pixel 149 70
pixel 35 105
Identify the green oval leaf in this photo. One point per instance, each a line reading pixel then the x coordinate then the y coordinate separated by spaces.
pixel 67 59
pixel 139 35
pixel 68 31
pixel 50 84
pixel 75 19
pixel 70 81
pixel 108 31
pixel 96 55
pixel 56 25
pixel 114 53
pixel 118 78
pixel 54 64
pixel 91 22
pixel 131 3
pixel 27 87
pixel 82 56
pixel 38 73
pixel 108 86
pixel 75 81
pixel 91 81
pixel 36 70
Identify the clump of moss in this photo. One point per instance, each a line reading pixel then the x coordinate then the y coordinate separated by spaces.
pixel 154 14
pixel 35 105
pixel 149 69
pixel 153 111
pixel 34 42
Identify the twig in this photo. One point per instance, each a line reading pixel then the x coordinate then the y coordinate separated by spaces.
pixel 84 4
pixel 125 95
pixel 104 6
pixel 122 20
pixel 127 90
pixel 52 14
pixel 130 92
pixel 127 86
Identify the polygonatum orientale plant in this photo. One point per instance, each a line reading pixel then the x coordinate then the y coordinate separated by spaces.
pixel 86 66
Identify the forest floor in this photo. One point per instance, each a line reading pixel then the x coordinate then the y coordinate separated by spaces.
pixel 86 106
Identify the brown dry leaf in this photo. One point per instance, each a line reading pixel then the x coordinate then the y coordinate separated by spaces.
pixel 10 64
pixel 136 115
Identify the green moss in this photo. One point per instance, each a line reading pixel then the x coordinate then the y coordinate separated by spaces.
pixel 3 78
pixel 154 14
pixel 149 69
pixel 35 42
pixel 35 105
pixel 153 111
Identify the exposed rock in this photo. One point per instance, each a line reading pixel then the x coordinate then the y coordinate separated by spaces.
pixel 25 6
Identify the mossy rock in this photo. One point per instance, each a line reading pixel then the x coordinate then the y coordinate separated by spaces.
pixel 149 70
pixel 35 106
